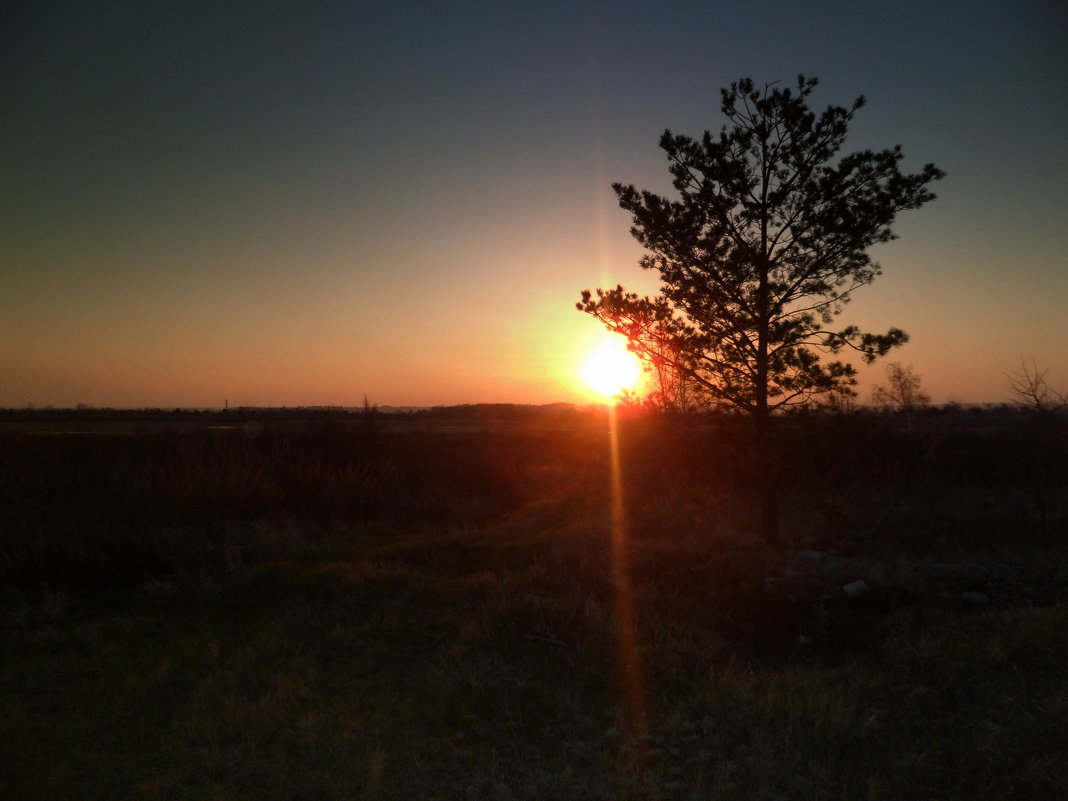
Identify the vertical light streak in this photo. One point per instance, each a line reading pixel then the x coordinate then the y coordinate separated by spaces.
pixel 600 182
pixel 627 656
pixel 629 660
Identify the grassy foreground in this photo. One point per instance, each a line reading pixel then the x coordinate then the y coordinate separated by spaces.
pixel 350 616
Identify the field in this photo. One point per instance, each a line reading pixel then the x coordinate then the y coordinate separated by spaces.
pixel 489 606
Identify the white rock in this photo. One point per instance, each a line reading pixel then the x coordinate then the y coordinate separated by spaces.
pixel 855 588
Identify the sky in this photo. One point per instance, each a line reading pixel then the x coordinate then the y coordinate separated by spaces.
pixel 309 203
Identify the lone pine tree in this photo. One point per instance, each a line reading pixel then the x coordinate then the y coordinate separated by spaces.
pixel 766 242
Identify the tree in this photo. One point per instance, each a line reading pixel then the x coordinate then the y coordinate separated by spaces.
pixel 903 394
pixel 902 390
pixel 766 242
pixel 1031 391
pixel 1045 431
pixel 671 390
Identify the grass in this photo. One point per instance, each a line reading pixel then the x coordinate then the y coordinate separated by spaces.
pixel 237 631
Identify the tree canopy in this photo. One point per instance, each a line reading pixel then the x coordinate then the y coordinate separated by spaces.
pixel 766 242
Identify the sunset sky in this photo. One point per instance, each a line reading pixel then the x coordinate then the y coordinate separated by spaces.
pixel 305 203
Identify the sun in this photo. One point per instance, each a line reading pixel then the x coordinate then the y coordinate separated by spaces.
pixel 610 368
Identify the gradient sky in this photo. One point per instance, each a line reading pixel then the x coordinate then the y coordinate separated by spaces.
pixel 306 203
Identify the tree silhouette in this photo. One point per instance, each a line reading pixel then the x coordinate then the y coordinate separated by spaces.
pixel 903 389
pixel 1047 432
pixel 1030 390
pixel 765 244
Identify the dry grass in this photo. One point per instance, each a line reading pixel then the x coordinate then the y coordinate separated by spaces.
pixel 462 642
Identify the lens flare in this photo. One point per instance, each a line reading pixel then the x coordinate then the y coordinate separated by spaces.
pixel 628 653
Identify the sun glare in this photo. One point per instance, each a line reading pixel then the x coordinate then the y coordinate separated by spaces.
pixel 610 368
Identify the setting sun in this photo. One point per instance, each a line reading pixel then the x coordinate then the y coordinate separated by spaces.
pixel 610 368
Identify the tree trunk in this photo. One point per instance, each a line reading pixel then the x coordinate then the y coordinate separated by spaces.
pixel 767 466
pixel 767 480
